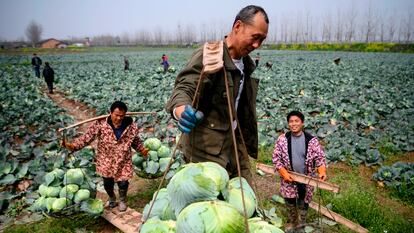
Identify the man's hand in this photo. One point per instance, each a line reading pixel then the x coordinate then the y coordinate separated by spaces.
pixel 322 173
pixel 285 175
pixel 67 145
pixel 144 152
pixel 189 118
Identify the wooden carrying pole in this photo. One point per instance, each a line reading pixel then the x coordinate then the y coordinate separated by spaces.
pixel 102 117
pixel 302 179
pixel 323 185
pixel 337 218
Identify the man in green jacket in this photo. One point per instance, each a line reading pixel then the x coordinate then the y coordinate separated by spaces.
pixel 207 129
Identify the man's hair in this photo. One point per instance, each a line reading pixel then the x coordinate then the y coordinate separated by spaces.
pixel 46 63
pixel 34 54
pixel 247 13
pixel 119 105
pixel 295 113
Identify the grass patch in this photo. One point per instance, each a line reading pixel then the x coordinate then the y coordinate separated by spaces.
pixel 358 203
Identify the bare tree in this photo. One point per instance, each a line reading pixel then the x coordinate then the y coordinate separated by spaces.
pixel 407 27
pixel 370 24
pixel 33 32
pixel 392 26
pixel 350 25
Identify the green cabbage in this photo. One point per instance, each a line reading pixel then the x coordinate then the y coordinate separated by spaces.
pixel 137 160
pixel 233 196
pixel 153 155
pixel 93 206
pixel 42 190
pixel 74 176
pixel 210 216
pixel 163 152
pixel 164 163
pixel 69 191
pixel 161 208
pixel 196 182
pixel 155 225
pixel 49 203
pixel 152 144
pixel 81 195
pixel 257 225
pixel 39 204
pixel 60 203
pixel 152 167
pixel 52 191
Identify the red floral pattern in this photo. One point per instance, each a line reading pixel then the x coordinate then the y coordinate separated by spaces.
pixel 113 159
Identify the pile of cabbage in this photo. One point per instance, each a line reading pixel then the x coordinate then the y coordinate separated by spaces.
pixel 67 193
pixel 156 163
pixel 201 198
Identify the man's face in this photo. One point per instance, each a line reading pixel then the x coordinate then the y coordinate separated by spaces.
pixel 250 35
pixel 117 116
pixel 295 124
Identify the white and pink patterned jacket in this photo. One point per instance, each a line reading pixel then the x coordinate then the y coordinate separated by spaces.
pixel 315 157
pixel 113 159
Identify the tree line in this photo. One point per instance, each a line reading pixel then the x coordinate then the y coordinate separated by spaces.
pixel 342 26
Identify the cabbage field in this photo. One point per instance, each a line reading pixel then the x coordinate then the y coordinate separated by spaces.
pixel 361 109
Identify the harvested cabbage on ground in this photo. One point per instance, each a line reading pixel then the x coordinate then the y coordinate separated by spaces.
pixel 156 163
pixel 62 190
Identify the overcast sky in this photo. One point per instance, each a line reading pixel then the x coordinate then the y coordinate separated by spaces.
pixel 61 19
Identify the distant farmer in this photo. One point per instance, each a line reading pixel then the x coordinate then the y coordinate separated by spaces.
pixel 269 65
pixel 209 138
pixel 126 63
pixel 116 135
pixel 165 63
pixel 257 59
pixel 49 76
pixel 36 63
pixel 300 152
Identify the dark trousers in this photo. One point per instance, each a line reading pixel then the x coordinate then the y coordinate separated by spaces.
pixel 300 201
pixel 50 87
pixel 37 71
pixel 109 184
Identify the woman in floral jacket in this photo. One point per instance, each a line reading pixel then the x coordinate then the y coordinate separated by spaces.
pixel 301 152
pixel 116 135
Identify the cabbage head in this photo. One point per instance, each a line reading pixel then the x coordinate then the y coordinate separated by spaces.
pixel 152 144
pixel 161 208
pixel 152 167
pixel 210 216
pixel 49 203
pixel 257 225
pixel 155 225
pixel 69 191
pixel 74 176
pixel 137 160
pixel 153 155
pixel 163 152
pixel 92 206
pixel 164 163
pixel 60 204
pixel 81 195
pixel 196 182
pixel 39 204
pixel 52 191
pixel 232 194
pixel 42 190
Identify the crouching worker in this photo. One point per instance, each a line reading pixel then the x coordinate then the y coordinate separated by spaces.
pixel 116 135
pixel 300 152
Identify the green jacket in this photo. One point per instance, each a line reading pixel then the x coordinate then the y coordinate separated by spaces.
pixel 212 137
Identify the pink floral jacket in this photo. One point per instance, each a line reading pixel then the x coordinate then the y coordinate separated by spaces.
pixel 315 157
pixel 114 157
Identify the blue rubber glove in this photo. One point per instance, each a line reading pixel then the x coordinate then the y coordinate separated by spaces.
pixel 189 119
